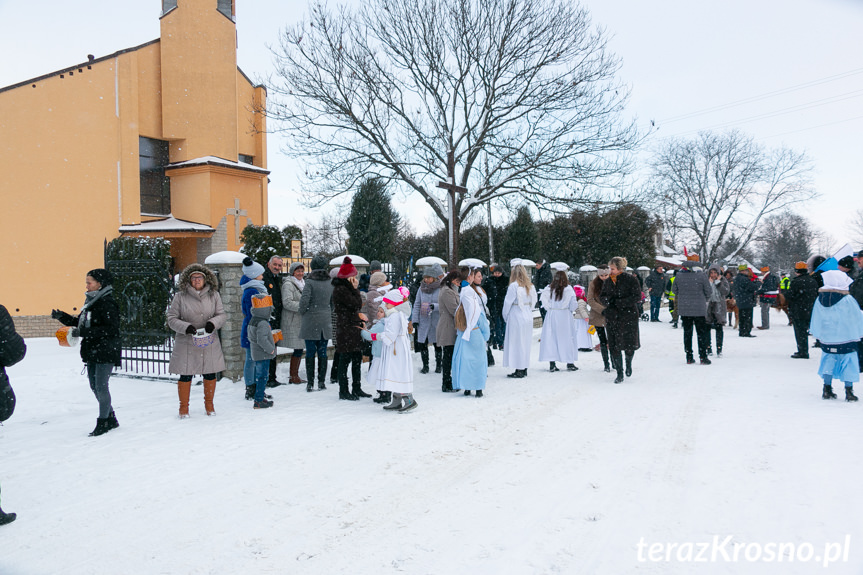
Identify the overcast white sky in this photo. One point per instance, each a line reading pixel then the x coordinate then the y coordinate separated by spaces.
pixel 680 57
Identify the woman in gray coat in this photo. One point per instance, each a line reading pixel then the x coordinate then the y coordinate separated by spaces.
pixel 196 311
pixel 447 304
pixel 425 316
pixel 291 320
pixel 316 327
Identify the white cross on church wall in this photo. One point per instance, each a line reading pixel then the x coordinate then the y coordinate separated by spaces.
pixel 237 212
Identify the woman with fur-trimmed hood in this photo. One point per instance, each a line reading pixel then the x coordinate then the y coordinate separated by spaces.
pixel 196 311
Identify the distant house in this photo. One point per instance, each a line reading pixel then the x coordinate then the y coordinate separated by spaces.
pixel 163 139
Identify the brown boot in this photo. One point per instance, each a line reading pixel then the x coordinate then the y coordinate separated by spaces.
pixel 184 388
pixel 209 393
pixel 295 370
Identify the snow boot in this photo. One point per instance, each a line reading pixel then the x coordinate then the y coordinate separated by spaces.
pixel 467 392
pixel 551 367
pixel 849 394
pixel 264 404
pixel 438 359
pixel 322 373
pixel 396 403
pixel 827 392
pixel 629 355
pixel 690 359
pixel 489 357
pixel 184 388
pixel 112 421
pixel 357 391
pixel 250 392
pixel 334 378
pixel 295 371
pixel 102 426
pixel 424 355
pixel 382 397
pixel 209 394
pixel 7 517
pixel 344 393
pixel 479 393
pixel 705 361
pixel 571 367
pixel 410 403
pixel 617 362
pixel 518 374
pixel 310 372
pixel 271 378
pixel 603 349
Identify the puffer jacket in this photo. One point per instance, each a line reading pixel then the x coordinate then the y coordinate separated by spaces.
pixel 346 304
pixel 100 343
pixel 191 307
pixel 291 320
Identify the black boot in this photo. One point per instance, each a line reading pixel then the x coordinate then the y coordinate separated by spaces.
pixel 112 421
pixel 310 372
pixel 250 392
pixel 7 517
pixel 345 394
pixel 827 392
pixel 629 355
pixel 380 397
pixel 358 391
pixel 322 373
pixel 102 426
pixel 438 359
pixel 571 367
pixel 617 362
pixel 343 379
pixel 849 394
pixel 424 355
pixel 552 367
pixel 334 378
pixel 489 357
pixel 603 349
pixel 705 360
pixel 690 359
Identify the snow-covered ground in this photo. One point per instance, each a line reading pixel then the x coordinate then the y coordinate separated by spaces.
pixel 556 473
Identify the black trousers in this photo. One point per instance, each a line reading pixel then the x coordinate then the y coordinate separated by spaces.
pixel 701 334
pixel 801 334
pixel 745 324
pixel 355 359
pixel 447 366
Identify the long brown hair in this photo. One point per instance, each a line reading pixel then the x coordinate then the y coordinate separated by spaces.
pixel 558 284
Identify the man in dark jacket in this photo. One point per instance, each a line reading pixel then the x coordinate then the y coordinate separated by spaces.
pixel 317 323
pixel 273 281
pixel 12 350
pixel 542 280
pixel 768 293
pixel 495 286
pixel 801 296
pixel 691 294
pixel 744 288
pixel 655 285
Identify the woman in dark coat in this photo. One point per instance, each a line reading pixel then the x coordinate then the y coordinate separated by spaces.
pixel 98 325
pixel 621 296
pixel 347 303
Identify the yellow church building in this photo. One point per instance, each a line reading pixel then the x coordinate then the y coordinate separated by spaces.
pixel 166 139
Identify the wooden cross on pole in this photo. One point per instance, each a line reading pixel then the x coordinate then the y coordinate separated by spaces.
pixel 452 188
pixel 237 212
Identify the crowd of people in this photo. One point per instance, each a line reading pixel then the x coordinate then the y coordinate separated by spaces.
pixel 463 316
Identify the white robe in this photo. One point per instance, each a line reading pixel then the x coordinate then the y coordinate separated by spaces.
pixel 396 372
pixel 582 323
pixel 518 314
pixel 559 333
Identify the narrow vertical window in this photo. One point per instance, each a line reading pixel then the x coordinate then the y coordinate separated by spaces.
pixel 155 185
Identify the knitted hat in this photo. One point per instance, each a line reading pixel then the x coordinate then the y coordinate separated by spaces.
pixel 800 266
pixel 334 273
pixel 347 270
pixel 835 280
pixel 294 267
pixel 375 266
pixel 252 269
pixel 378 279
pixel 847 262
pixel 397 296
pixel 742 267
pixel 319 263
pixel 102 276
pixel 433 271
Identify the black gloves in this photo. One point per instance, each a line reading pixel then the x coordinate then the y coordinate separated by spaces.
pixel 191 330
pixel 56 314
pixel 209 327
pixel 74 332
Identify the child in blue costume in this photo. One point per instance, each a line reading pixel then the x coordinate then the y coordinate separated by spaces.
pixel 469 359
pixel 837 322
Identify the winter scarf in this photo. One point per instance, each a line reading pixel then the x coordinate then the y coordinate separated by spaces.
pixel 430 288
pixel 257 284
pixel 299 283
pixel 91 297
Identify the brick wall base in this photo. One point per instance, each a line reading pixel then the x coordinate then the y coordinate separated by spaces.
pixel 36 325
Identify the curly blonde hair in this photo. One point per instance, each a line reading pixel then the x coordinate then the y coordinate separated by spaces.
pixel 619 262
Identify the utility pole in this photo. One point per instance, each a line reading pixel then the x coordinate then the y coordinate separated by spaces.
pixel 452 188
pixel 488 205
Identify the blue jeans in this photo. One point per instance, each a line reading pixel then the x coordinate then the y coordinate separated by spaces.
pixel 249 368
pixel 499 331
pixel 317 347
pixel 655 304
pixel 262 373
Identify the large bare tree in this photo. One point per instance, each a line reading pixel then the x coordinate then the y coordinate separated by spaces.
pixel 523 93
pixel 717 186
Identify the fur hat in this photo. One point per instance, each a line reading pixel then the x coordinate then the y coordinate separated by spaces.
pixel 294 267
pixel 347 270
pixel 252 269
pixel 835 280
pixel 196 268
pixel 319 263
pixel 101 275
pixel 801 266
pixel 847 262
pixel 765 269
pixel 433 271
